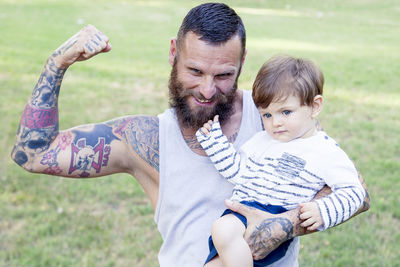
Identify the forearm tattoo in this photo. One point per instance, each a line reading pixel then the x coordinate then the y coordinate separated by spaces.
pixel 37 118
pixel 269 234
pixel 45 94
pixel 39 121
pixel 65 47
pixel 142 134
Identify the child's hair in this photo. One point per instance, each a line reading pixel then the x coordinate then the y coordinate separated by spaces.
pixel 282 76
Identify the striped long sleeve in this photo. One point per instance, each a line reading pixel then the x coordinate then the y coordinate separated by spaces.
pixel 340 205
pixel 221 152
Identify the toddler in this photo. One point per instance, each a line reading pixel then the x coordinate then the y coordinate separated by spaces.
pixel 283 166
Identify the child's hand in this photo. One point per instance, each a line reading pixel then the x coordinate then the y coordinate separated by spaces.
pixel 207 126
pixel 309 212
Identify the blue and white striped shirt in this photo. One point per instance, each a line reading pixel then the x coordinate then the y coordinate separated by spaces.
pixel 288 173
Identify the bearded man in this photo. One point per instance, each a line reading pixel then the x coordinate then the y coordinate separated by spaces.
pixel 162 152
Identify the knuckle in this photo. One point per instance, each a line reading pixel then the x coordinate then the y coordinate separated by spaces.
pixel 105 37
pixel 101 44
pixel 240 207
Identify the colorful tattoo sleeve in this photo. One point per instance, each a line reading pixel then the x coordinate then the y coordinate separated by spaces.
pixel 39 121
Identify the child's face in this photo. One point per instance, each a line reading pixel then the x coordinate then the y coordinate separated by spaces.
pixel 287 120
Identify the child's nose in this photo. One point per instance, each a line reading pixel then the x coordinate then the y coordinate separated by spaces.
pixel 276 121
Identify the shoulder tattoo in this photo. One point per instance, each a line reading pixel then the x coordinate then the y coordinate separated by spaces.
pixel 142 134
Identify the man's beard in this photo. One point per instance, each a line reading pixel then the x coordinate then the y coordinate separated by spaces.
pixel 194 119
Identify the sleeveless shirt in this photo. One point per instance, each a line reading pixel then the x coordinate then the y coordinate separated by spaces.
pixel 191 191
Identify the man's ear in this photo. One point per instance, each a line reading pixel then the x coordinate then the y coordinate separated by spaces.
pixel 242 60
pixel 244 56
pixel 317 106
pixel 172 51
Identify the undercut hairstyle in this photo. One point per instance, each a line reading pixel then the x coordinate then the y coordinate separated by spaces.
pixel 214 23
pixel 283 76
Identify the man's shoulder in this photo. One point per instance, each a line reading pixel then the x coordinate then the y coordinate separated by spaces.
pixel 143 123
pixel 134 123
pixel 141 132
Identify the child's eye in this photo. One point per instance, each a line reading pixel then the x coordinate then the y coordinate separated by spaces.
pixel 286 112
pixel 267 115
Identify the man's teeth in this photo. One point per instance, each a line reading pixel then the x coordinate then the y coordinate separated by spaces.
pixel 204 101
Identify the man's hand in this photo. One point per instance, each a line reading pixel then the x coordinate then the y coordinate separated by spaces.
pixel 85 44
pixel 265 231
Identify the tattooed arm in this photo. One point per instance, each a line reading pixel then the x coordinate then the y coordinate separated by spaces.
pixel 88 150
pixel 38 127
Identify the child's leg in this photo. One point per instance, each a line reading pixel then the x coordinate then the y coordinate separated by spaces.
pixel 215 262
pixel 227 234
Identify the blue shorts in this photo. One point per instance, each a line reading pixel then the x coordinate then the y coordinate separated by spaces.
pixel 272 257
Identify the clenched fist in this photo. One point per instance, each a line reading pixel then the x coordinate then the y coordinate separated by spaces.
pixel 85 44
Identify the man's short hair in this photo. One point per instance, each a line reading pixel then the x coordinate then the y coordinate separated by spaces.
pixel 283 76
pixel 214 23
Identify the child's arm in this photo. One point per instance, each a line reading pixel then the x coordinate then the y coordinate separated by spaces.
pixel 345 200
pixel 340 205
pixel 221 152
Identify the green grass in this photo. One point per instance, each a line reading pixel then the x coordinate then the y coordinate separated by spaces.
pixel 50 221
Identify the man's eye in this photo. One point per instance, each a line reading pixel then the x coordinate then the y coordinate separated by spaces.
pixel 224 75
pixel 267 115
pixel 195 71
pixel 286 112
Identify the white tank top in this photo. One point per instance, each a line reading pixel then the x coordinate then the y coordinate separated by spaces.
pixel 191 192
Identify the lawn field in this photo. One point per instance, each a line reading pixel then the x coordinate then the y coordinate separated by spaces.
pixel 108 221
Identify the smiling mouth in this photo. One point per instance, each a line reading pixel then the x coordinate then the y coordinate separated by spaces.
pixel 203 101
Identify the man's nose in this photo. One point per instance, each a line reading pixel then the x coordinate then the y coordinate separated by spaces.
pixel 208 87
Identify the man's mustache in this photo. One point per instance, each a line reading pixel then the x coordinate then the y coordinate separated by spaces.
pixel 219 97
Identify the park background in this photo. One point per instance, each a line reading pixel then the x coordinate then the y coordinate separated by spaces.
pixel 108 221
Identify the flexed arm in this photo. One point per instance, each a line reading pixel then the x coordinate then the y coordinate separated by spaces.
pixel 84 151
